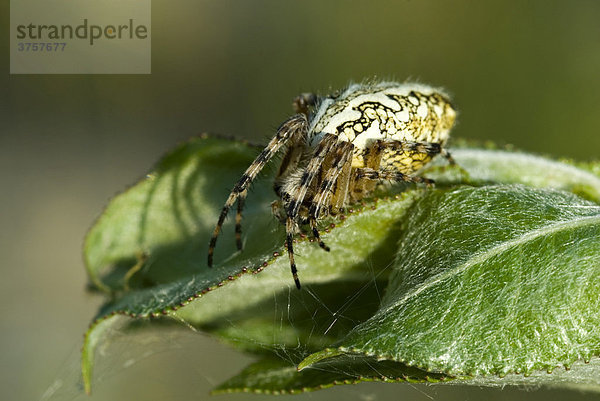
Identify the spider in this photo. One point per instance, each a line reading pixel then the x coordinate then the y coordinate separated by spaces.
pixel 337 148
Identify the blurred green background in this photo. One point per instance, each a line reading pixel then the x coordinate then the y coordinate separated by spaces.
pixel 521 72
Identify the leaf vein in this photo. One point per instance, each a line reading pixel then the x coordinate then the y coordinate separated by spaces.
pixel 493 251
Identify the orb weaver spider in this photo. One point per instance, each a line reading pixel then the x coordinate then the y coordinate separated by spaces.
pixel 336 149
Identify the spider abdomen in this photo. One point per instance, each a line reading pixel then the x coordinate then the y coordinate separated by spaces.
pixel 388 112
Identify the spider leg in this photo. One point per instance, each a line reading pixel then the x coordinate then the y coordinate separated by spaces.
pixel 341 158
pixel 288 131
pixel 323 199
pixel 315 231
pixel 372 156
pixel 238 219
pixel 314 165
pixel 289 228
pixel 288 165
pixel 446 155
pixel 429 148
pixel 400 165
pixel 292 156
pixel 370 174
pixel 297 197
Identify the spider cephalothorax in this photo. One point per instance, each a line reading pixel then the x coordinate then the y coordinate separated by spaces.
pixel 338 147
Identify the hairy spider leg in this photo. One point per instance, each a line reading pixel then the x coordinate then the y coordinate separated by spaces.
pixel 291 129
pixel 342 156
pixel 446 155
pixel 238 219
pixel 406 146
pixel 315 164
pixel 289 163
pixel 341 193
pixel 316 234
pixel 293 155
pixel 370 173
pixel 431 149
pixel 358 188
pixel 297 197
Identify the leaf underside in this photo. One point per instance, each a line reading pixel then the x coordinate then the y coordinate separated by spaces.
pixel 488 279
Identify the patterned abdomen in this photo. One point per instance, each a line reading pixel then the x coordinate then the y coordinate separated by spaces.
pixel 406 112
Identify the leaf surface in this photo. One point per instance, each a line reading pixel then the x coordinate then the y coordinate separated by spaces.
pixel 148 250
pixel 490 280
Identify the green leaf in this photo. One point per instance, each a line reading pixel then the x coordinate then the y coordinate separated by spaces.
pixel 148 249
pixel 490 281
pixel 280 376
pixel 239 292
pixel 497 166
pixel 231 292
pixel 168 217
